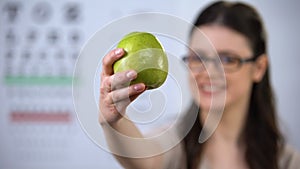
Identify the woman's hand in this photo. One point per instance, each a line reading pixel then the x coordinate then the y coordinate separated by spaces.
pixel 115 92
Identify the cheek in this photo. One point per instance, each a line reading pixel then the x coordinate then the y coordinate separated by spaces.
pixel 239 86
pixel 194 87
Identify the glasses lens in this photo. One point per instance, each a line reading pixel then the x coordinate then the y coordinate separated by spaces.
pixel 194 62
pixel 229 63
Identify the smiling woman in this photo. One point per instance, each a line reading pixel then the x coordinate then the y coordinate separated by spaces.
pixel 248 136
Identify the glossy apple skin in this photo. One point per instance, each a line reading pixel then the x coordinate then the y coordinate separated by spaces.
pixel 144 54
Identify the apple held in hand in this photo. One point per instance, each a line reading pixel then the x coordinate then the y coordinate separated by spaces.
pixel 146 56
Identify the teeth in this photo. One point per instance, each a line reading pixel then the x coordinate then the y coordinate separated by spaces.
pixel 209 88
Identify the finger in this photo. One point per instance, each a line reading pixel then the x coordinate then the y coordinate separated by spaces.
pixel 109 60
pixel 125 93
pixel 105 86
pixel 123 104
pixel 132 98
pixel 122 79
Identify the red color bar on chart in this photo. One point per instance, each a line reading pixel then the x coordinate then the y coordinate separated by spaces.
pixel 52 117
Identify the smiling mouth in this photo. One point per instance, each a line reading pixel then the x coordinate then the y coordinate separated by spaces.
pixel 212 88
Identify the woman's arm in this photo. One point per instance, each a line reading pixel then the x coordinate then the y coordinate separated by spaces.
pixel 130 148
pixel 121 134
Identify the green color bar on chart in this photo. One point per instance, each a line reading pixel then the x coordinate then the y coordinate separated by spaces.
pixel 38 80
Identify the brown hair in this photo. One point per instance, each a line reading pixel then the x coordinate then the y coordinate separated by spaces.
pixel 261 135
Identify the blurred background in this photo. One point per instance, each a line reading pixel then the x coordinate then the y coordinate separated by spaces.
pixel 39 43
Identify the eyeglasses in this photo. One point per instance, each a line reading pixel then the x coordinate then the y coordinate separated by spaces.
pixel 229 62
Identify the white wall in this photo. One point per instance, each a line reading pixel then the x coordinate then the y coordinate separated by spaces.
pixel 65 145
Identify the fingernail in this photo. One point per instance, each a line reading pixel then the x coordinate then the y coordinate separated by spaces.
pixel 138 87
pixel 118 51
pixel 131 74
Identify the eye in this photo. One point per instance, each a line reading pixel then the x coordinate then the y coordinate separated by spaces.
pixel 194 58
pixel 197 56
pixel 225 59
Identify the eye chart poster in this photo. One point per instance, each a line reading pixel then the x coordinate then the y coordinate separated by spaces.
pixel 40 42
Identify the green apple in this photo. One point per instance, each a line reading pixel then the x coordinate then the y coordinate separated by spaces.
pixel 145 55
